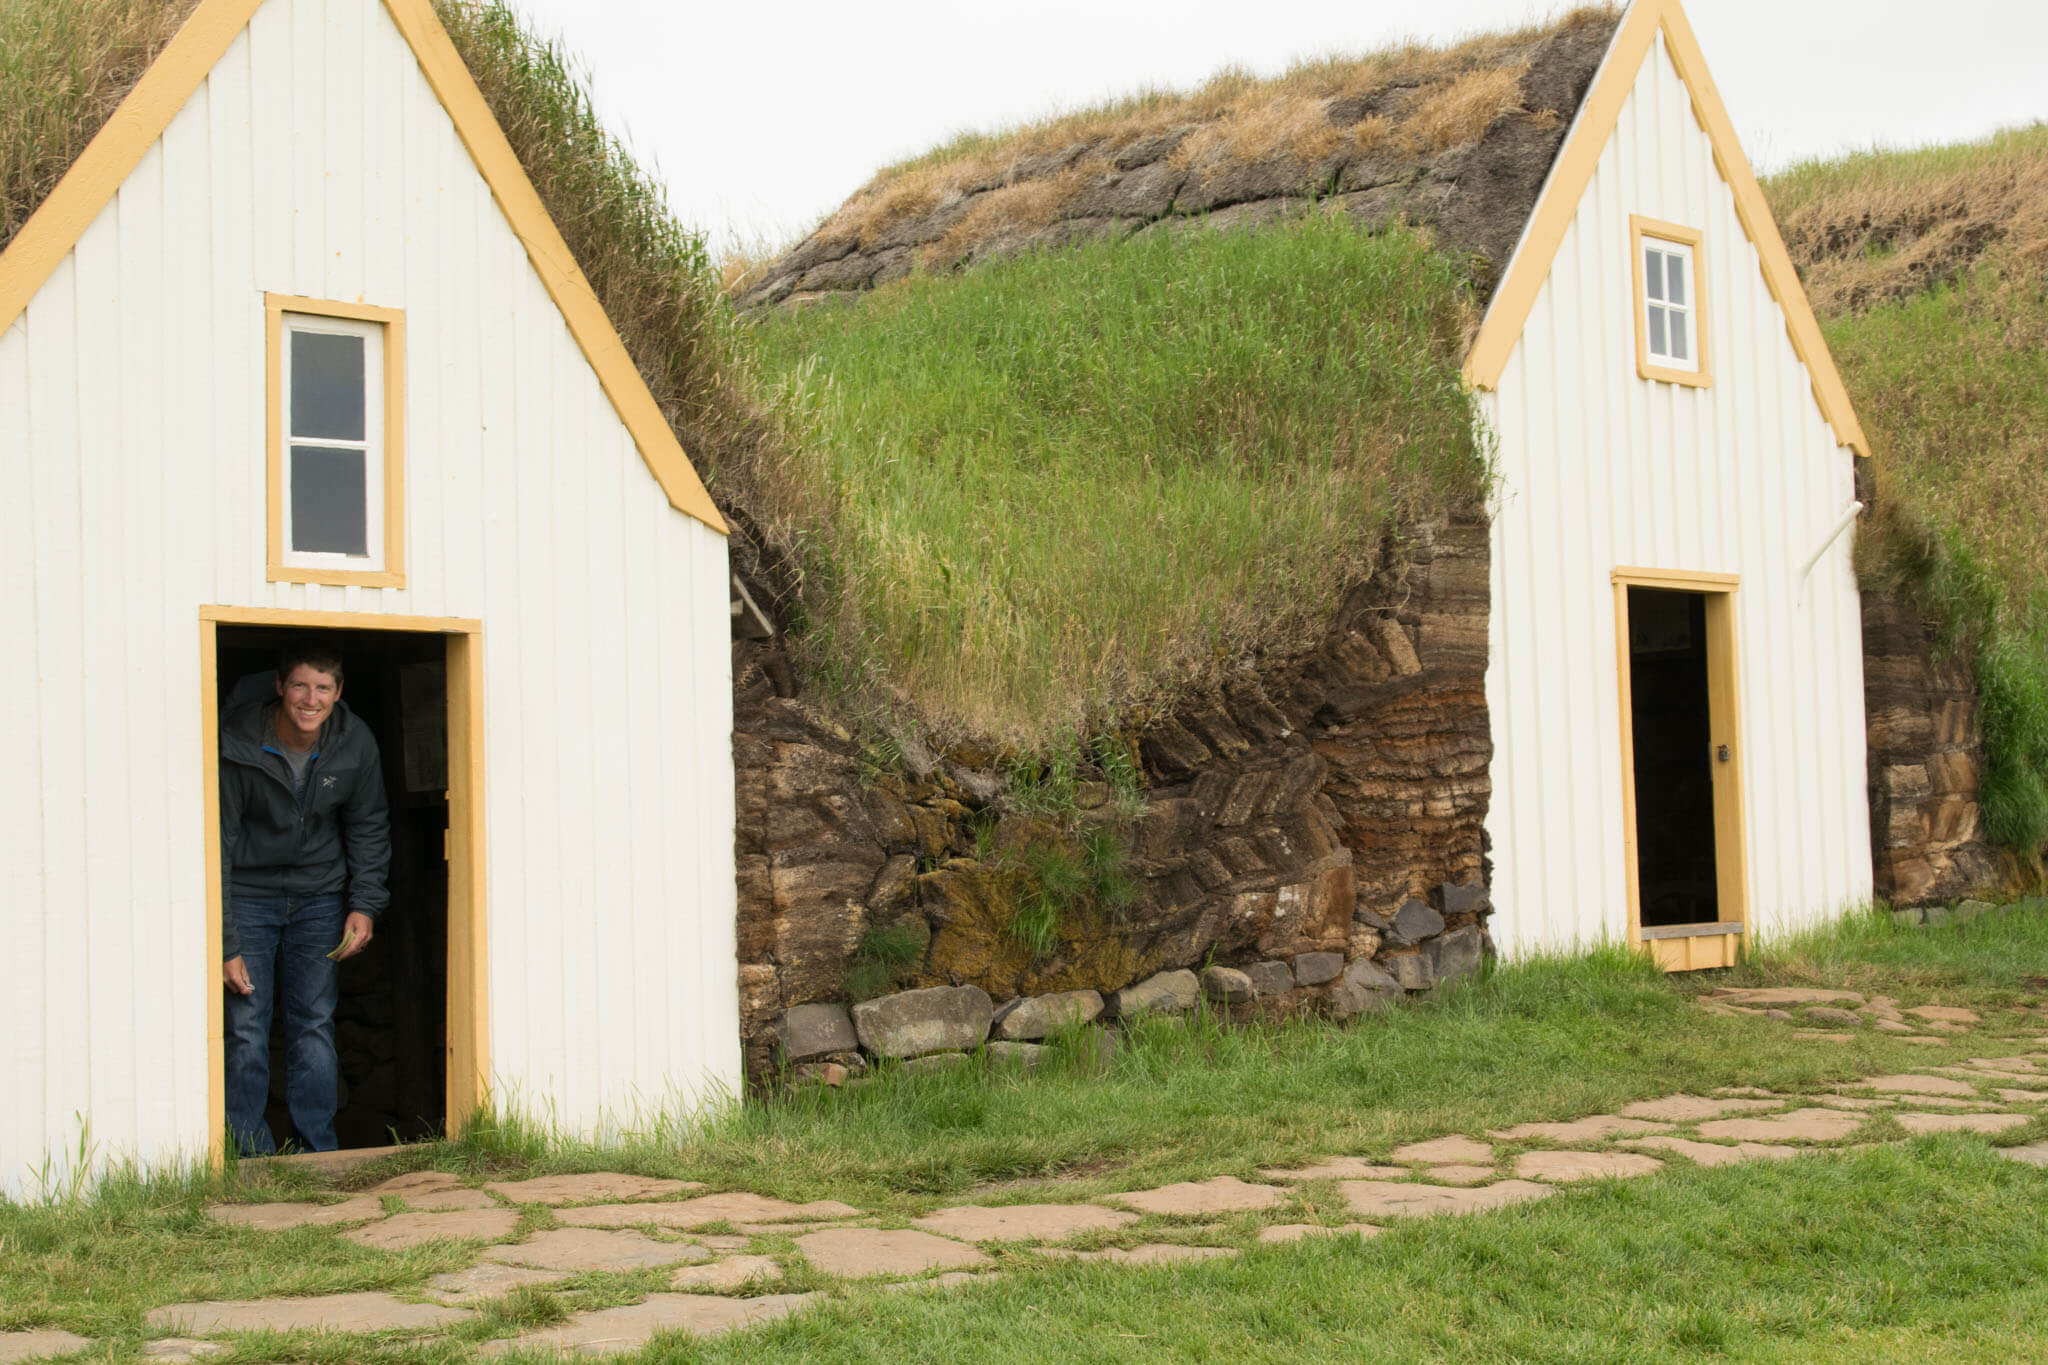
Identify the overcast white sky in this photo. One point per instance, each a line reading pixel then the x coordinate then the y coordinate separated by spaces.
pixel 763 117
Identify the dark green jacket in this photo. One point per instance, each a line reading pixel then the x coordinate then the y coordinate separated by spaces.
pixel 273 843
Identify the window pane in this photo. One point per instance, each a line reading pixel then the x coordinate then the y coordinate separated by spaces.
pixel 327 386
pixel 1653 272
pixel 1680 324
pixel 330 507
pixel 1657 344
pixel 1677 267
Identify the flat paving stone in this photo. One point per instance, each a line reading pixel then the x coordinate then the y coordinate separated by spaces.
pixel 1942 1102
pixel 1335 1168
pixel 1961 1123
pixel 1946 1014
pixel 416 1182
pixel 489 1280
pixel 180 1349
pixel 1783 995
pixel 1987 1073
pixel 365 1312
pixel 611 1331
pixel 727 1274
pixel 1801 1125
pixel 1387 1198
pixel 1922 1039
pixel 1152 1253
pixel 594 1185
pixel 1593 1129
pixel 784 1229
pixel 1458 1173
pixel 44 1341
pixel 1294 1232
pixel 1023 1222
pixel 2023 1096
pixel 1713 1153
pixel 278 1217
pixel 1444 1149
pixel 449 1201
pixel 733 1207
pixel 416 1229
pixel 854 1253
pixel 1223 1194
pixel 952 1279
pixel 580 1249
pixel 1854 1103
pixel 1570 1166
pixel 1751 1090
pixel 2034 1153
pixel 1916 1085
pixel 1693 1108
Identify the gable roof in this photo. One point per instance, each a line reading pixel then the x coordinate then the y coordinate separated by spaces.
pixel 1558 204
pixel 1458 139
pixel 92 181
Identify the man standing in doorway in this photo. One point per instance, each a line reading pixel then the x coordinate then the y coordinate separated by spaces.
pixel 305 845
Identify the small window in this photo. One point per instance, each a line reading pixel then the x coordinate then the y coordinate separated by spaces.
pixel 1671 333
pixel 334 473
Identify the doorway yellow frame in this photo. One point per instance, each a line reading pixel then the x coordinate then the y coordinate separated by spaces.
pixel 1692 947
pixel 468 1060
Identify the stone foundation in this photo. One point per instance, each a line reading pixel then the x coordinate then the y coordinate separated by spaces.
pixel 1331 803
pixel 1926 835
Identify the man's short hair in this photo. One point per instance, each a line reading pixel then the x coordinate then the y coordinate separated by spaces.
pixel 314 654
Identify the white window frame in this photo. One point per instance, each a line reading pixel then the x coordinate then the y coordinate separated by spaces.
pixel 383 333
pixel 1687 244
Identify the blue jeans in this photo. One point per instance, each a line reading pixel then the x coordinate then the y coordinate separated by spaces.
pixel 285 942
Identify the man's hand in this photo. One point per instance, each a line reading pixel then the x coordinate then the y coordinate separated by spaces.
pixel 356 929
pixel 236 973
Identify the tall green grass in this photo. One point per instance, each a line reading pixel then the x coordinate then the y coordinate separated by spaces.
pixel 1063 485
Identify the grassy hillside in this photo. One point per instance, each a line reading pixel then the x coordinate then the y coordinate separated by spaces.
pixel 1930 271
pixel 1062 485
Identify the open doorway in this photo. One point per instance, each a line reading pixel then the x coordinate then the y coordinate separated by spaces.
pixel 408 1027
pixel 1687 886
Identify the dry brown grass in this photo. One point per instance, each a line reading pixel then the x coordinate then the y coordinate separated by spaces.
pixel 1876 226
pixel 1434 98
pixel 64 66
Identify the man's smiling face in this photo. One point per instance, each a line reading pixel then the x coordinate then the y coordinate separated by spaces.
pixel 309 696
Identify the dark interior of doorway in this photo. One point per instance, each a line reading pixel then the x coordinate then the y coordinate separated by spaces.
pixel 391 1023
pixel 1674 778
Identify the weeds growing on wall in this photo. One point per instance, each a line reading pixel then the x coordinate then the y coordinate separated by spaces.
pixel 1062 484
pixel 885 953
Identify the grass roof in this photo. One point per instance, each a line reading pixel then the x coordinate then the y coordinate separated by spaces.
pixel 1929 270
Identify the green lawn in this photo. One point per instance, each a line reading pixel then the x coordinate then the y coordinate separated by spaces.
pixel 1936 1248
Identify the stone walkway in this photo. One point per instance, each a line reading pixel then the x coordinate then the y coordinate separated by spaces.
pixel 729 1253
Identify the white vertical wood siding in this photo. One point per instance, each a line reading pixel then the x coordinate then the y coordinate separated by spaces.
pixel 1601 469
pixel 315 160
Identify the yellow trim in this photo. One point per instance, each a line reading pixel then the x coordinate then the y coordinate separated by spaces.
pixel 92 181
pixel 468 1065
pixel 392 575
pixel 1559 205
pixel 1724 726
pixel 1639 228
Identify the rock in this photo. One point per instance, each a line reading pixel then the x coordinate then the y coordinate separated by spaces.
pixel 934 1062
pixel 1961 1123
pixel 1029 1056
pixel 1271 979
pixel 367 1312
pixel 1692 1108
pixel 1386 1198
pixel 1039 1016
pixel 812 1030
pixel 1884 1025
pixel 416 1182
pixel 1227 986
pixel 1458 953
pixel 1294 1232
pixel 43 1341
pixel 1712 1153
pixel 1313 969
pixel 1335 1168
pixel 1569 1166
pixel 1825 1015
pixel 1412 970
pixel 173 1349
pixel 1468 899
pixel 489 1280
pixel 1024 1222
pixel 1458 1173
pixel 1590 1129
pixel 278 1217
pixel 1946 1014
pixel 1910 1084
pixel 1164 993
pixel 417 1229
pixel 577 1189
pixel 1969 910
pixel 735 1206
pixel 726 1275
pixel 830 1074
pixel 1445 1149
pixel 611 1331
pixel 859 1252
pixel 2033 1154
pixel 583 1249
pixel 1223 1194
pixel 1785 995
pixel 1809 1125
pixel 449 1201
pixel 1364 989
pixel 913 1023
pixel 1415 921
pixel 1152 1253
